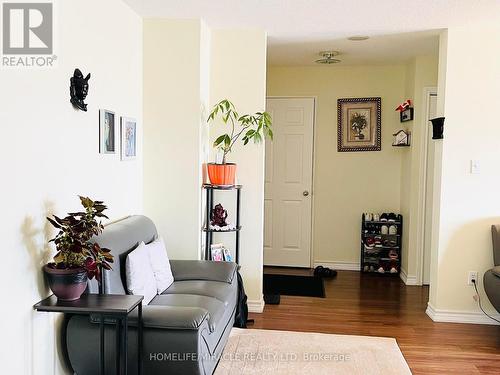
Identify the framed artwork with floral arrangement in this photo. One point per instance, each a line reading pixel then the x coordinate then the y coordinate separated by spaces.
pixel 359 124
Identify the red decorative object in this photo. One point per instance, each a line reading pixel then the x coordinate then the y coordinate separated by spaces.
pixel 403 106
pixel 218 216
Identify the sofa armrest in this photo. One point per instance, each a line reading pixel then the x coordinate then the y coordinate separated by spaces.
pixel 164 317
pixel 203 270
pixel 496 271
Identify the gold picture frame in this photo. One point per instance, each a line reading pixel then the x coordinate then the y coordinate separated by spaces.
pixel 359 124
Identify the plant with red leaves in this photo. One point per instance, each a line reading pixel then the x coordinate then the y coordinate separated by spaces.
pixel 75 248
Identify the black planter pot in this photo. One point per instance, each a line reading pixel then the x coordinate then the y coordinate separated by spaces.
pixel 437 127
pixel 66 284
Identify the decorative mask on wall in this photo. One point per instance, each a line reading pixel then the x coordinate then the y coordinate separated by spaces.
pixel 218 216
pixel 437 127
pixel 79 88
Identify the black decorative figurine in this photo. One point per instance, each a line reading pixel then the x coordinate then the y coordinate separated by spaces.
pixel 437 127
pixel 79 88
pixel 218 216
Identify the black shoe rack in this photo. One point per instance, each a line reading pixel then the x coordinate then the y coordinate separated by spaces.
pixel 378 248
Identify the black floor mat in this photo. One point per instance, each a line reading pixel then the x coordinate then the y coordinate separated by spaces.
pixel 308 286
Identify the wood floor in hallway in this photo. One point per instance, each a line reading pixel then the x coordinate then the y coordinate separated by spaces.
pixel 371 305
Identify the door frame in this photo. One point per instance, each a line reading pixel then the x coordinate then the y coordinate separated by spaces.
pixel 422 182
pixel 313 171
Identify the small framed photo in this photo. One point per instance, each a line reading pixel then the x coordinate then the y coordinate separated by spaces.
pixel 359 124
pixel 227 255
pixel 406 115
pixel 217 254
pixel 107 130
pixel 128 129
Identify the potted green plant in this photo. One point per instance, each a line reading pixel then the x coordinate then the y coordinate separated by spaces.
pixel 78 258
pixel 249 127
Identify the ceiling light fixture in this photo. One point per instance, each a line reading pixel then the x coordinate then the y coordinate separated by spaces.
pixel 358 38
pixel 328 57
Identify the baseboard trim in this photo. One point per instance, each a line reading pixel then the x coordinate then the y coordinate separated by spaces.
pixel 408 279
pixel 453 316
pixel 256 306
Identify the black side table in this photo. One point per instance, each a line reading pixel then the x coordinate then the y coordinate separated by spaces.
pixel 105 306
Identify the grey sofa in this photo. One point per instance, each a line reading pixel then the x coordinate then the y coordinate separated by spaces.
pixel 185 328
pixel 491 278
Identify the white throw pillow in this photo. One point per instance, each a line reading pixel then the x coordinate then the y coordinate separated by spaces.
pixel 160 264
pixel 139 274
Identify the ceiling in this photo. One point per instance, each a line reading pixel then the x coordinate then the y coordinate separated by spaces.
pixel 380 49
pixel 299 29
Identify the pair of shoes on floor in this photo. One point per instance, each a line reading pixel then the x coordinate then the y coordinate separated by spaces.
pixel 321 271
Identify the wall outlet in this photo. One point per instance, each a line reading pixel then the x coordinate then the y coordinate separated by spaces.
pixel 472 276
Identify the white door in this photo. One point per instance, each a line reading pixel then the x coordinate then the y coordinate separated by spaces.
pixel 288 183
pixel 429 182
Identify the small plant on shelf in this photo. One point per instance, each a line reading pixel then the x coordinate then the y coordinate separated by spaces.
pixel 78 258
pixel 248 127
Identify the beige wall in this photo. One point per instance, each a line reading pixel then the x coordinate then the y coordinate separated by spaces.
pixel 421 72
pixel 51 155
pixel 174 90
pixel 347 184
pixel 243 80
pixel 183 77
pixel 469 202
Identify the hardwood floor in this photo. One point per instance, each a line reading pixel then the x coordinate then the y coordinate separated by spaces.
pixel 373 305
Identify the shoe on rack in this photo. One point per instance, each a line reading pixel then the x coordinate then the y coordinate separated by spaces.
pixel 393 229
pixel 381 270
pixel 392 217
pixel 384 229
pixel 383 217
pixel 393 270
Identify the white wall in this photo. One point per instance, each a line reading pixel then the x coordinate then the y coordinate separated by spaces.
pixel 346 184
pixel 238 72
pixel 183 78
pixel 175 86
pixel 421 72
pixel 469 202
pixel 49 154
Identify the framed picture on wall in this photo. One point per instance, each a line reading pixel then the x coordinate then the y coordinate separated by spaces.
pixel 106 132
pixel 406 115
pixel 128 130
pixel 359 124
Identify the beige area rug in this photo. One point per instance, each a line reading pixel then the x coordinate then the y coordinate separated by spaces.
pixel 256 351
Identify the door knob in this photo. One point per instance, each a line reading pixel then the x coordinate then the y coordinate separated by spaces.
pixel 305 193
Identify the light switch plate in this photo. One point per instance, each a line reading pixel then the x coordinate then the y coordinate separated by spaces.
pixel 475 167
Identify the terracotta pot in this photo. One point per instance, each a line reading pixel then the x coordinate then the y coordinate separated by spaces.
pixel 221 174
pixel 66 284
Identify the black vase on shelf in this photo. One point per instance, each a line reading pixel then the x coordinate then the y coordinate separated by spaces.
pixel 437 127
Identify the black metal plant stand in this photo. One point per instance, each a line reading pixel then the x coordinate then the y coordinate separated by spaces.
pixel 210 189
